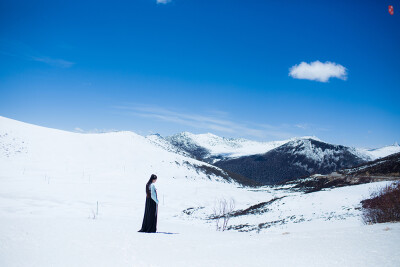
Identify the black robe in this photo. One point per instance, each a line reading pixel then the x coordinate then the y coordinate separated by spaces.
pixel 149 224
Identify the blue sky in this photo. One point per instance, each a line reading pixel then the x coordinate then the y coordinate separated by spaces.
pixel 205 66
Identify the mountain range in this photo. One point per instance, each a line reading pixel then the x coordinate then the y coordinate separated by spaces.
pixel 270 162
pixel 243 161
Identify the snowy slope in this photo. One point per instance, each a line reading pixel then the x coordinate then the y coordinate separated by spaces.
pixel 53 153
pixel 319 151
pixel 229 147
pixel 377 153
pixel 386 166
pixel 158 140
pixel 70 199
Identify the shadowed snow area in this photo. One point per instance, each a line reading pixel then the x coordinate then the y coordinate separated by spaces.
pixel 72 199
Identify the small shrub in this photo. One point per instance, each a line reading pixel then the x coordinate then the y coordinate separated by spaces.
pixel 383 205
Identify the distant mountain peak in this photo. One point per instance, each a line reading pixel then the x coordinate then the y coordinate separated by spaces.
pixel 310 137
pixel 376 153
pixel 155 134
pixel 294 159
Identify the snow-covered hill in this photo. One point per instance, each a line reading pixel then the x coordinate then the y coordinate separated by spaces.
pixel 54 152
pixel 294 159
pixel 381 152
pixel 71 199
pixel 158 140
pixel 386 166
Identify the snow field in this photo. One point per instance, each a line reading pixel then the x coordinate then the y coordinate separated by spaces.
pixel 51 182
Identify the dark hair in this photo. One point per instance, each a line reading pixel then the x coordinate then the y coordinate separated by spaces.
pixel 152 178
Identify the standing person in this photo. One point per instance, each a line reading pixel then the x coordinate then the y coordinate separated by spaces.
pixel 149 224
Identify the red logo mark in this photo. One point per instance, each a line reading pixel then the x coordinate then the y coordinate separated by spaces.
pixel 391 11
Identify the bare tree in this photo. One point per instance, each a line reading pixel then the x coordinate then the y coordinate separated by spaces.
pixel 222 210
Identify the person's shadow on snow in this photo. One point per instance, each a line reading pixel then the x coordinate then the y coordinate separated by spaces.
pixel 166 233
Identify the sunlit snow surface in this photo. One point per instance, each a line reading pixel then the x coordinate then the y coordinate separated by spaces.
pixel 51 182
pixel 381 152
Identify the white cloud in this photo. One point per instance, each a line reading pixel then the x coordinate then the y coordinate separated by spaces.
pixel 53 61
pixel 163 1
pixel 217 122
pixel 25 52
pixel 303 126
pixel 318 71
